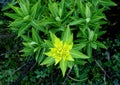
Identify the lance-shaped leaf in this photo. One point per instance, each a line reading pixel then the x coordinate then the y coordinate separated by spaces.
pixel 77 54
pixel 67 36
pixel 48 61
pixel 35 36
pixel 63 66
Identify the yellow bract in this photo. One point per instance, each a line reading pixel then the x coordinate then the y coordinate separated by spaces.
pixel 60 51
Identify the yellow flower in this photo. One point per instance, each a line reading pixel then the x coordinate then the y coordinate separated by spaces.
pixel 60 51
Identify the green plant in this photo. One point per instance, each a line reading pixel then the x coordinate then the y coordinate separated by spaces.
pixel 77 22
pixel 62 51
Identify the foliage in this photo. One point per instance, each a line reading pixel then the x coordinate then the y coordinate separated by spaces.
pixel 62 52
pixel 72 27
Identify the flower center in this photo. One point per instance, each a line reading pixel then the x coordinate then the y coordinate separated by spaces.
pixel 62 52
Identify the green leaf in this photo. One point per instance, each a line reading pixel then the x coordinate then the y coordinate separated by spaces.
pixel 34 10
pixel 87 11
pixel 53 7
pixel 95 37
pixel 17 22
pixel 89 50
pixel 37 57
pixel 30 44
pixel 23 28
pixel 35 36
pixel 63 66
pixel 49 43
pixel 107 3
pixel 13 16
pixel 70 64
pixel 76 22
pixel 95 2
pixel 47 21
pixel 76 69
pixel 40 55
pixel 77 54
pixel 81 8
pixel 97 18
pixel 61 8
pixel 79 46
pixel 17 10
pixel 27 4
pixel 27 18
pixel 27 51
pixel 67 35
pixel 26 38
pixel 69 13
pixel 80 62
pixel 36 25
pixel 60 12
pixel 23 8
pixel 101 33
pixel 53 37
pixel 91 35
pixel 70 40
pixel 101 45
pixel 93 45
pixel 48 61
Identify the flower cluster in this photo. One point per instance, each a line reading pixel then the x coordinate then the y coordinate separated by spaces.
pixel 61 50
